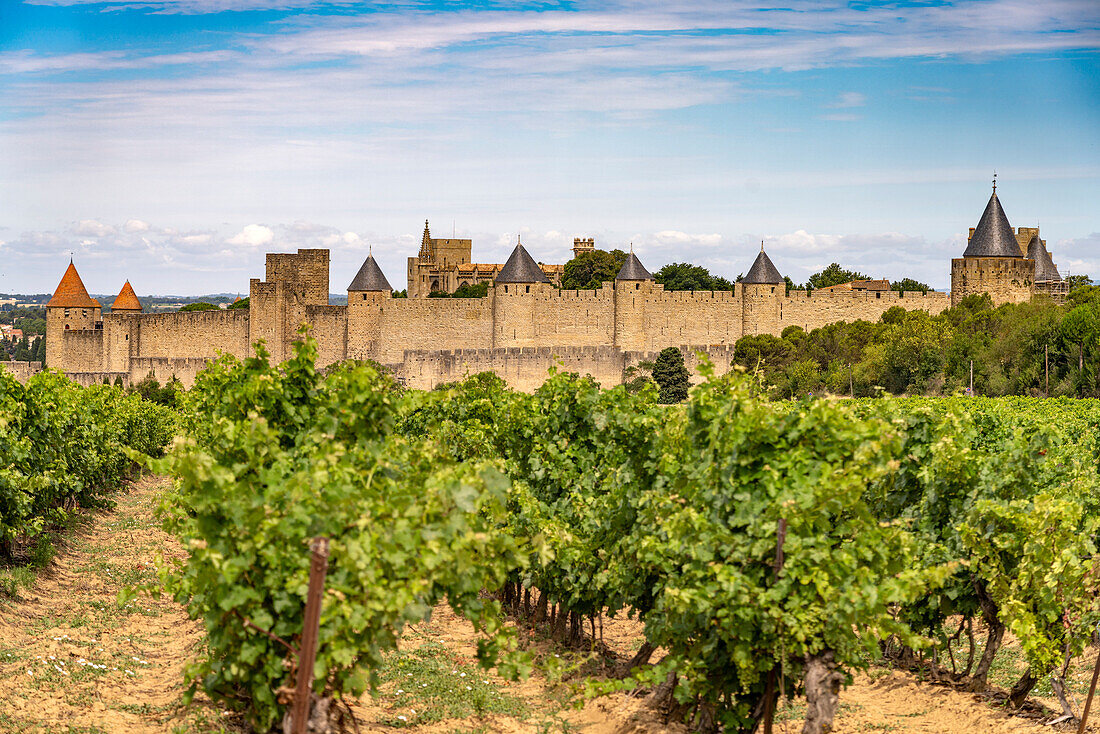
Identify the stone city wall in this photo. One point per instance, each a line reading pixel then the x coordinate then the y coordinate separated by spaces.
pixel 194 334
pixel 526 368
pixel 818 308
pixel 22 371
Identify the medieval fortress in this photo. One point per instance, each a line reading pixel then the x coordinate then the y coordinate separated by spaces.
pixel 522 327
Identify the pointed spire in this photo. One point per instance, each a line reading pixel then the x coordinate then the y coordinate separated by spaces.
pixel 369 278
pixel 126 300
pixel 71 292
pixel 1045 270
pixel 763 271
pixel 633 269
pixel 426 244
pixel 521 268
pixel 993 237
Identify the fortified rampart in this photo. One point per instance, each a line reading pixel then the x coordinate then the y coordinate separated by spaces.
pixel 520 329
pixel 22 371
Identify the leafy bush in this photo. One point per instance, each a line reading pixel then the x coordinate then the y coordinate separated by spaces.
pixel 64 446
pixel 281 454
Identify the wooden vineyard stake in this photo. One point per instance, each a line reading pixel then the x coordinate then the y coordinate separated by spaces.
pixel 318 566
pixel 1088 701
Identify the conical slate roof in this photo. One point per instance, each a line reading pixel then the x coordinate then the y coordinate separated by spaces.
pixel 763 271
pixel 369 277
pixel 633 269
pixel 71 292
pixel 993 236
pixel 127 300
pixel 1044 265
pixel 521 268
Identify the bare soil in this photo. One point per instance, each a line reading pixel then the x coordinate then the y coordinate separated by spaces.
pixel 73 660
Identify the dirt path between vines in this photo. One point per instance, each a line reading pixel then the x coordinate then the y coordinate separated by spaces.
pixel 72 660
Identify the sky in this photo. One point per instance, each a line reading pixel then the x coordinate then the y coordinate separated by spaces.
pixel 175 142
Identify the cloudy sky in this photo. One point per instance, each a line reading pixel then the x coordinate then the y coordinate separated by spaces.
pixel 174 142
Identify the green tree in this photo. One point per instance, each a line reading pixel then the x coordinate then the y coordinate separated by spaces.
pixel 590 269
pixel 199 306
pixel 480 290
pixel 671 376
pixel 1076 281
pixel 688 277
pixel 833 275
pixel 243 303
pixel 909 285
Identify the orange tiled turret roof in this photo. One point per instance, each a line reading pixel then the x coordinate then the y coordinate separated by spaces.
pixel 127 300
pixel 71 292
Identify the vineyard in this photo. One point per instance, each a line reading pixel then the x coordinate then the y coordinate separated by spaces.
pixel 769 550
pixel 62 447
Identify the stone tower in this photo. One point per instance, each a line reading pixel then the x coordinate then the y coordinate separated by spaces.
pixel 368 294
pixel 582 245
pixel 121 332
pixel 70 309
pixel 633 286
pixel 993 262
pixel 516 300
pixel 762 291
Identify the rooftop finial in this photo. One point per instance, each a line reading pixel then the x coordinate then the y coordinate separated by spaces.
pixel 761 245
pixel 994 181
pixel 632 247
pixel 519 239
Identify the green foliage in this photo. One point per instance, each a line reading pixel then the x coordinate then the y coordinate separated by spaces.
pixel 671 376
pixel 590 269
pixel 63 446
pixel 198 306
pixel 1009 488
pixel 709 539
pixel 480 290
pixel 1012 347
pixel 241 303
pixel 150 389
pixel 908 285
pixel 833 275
pixel 281 454
pixel 403 293
pixel 688 277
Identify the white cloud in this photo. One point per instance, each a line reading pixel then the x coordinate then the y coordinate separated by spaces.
pixel 848 99
pixel 92 228
pixel 253 235
pixel 135 225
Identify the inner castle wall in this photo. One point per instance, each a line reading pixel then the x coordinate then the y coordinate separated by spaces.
pixel 518 330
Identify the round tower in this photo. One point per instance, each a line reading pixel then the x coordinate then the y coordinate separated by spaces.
pixel 762 291
pixel 517 291
pixel 368 295
pixel 633 288
pixel 121 330
pixel 992 262
pixel 70 309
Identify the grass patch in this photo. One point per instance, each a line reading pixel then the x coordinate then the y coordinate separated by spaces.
pixel 425 685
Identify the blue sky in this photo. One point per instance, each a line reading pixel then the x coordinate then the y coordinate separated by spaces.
pixel 174 142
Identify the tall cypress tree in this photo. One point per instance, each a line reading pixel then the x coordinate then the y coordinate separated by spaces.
pixel 671 376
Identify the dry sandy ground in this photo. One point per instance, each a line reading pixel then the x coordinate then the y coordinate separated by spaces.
pixel 72 661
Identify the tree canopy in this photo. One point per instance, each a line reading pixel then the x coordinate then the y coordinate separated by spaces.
pixel 833 275
pixel 909 285
pixel 243 303
pixel 671 376
pixel 688 277
pixel 199 306
pixel 591 269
